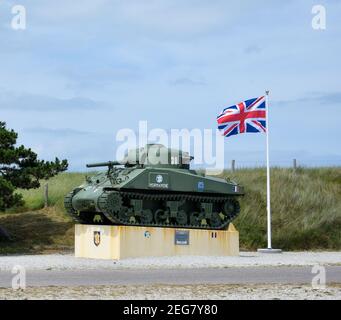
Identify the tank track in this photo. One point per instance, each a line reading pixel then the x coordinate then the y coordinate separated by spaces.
pixel 114 217
pixel 81 217
pixel 70 210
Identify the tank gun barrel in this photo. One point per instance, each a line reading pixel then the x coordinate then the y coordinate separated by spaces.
pixel 104 164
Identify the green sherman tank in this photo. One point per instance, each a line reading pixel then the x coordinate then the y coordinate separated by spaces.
pixel 154 186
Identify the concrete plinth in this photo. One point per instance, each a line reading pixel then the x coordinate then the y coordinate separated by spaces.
pixel 120 242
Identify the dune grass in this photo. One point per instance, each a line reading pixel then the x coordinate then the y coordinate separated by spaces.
pixel 306 208
pixel 58 187
pixel 306 211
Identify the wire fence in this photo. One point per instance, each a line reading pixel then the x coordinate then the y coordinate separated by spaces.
pixel 293 163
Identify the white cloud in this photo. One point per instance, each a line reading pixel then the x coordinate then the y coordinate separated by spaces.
pixel 41 103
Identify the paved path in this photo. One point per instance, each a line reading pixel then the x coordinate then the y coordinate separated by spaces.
pixel 234 275
pixel 245 259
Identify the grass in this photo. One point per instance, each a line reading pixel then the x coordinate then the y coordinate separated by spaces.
pixel 42 231
pixel 306 208
pixel 58 187
pixel 35 229
pixel 306 212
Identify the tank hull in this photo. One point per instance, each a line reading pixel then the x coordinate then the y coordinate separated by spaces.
pixel 163 196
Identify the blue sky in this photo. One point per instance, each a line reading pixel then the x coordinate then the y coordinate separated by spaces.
pixel 84 69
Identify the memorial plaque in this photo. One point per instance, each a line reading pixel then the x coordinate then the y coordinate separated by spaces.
pixel 181 237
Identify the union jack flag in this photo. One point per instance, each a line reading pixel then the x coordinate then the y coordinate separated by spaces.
pixel 246 116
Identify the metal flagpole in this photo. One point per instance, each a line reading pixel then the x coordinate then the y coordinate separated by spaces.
pixel 268 206
pixel 268 202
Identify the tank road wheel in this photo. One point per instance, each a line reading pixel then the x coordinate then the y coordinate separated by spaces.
pixel 161 216
pixel 129 216
pixel 146 216
pixel 124 215
pixel 195 219
pixel 217 219
pixel 198 219
pixel 99 218
pixel 231 208
pixel 181 218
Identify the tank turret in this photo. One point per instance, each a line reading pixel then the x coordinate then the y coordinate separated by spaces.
pixel 157 155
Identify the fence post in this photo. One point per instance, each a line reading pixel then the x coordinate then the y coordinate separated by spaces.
pixel 46 195
pixel 295 164
pixel 233 165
